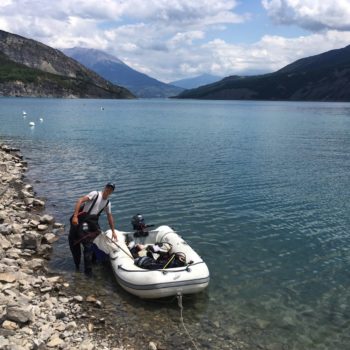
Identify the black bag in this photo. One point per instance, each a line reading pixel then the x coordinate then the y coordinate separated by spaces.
pixel 88 229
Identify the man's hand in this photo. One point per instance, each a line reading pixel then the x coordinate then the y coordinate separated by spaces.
pixel 114 235
pixel 75 220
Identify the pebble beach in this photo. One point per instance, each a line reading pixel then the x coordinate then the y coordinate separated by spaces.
pixel 37 308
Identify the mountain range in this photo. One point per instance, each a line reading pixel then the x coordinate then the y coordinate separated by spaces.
pixel 116 71
pixel 30 68
pixel 323 77
pixel 192 83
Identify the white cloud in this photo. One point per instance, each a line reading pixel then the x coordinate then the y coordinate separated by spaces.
pixel 313 15
pixel 169 39
pixel 272 52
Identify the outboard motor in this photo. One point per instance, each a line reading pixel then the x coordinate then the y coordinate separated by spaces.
pixel 139 226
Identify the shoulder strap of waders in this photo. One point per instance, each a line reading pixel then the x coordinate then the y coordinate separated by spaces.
pixel 93 203
pixel 103 208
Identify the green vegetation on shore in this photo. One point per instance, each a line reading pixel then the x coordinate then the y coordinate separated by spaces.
pixel 44 83
pixel 30 68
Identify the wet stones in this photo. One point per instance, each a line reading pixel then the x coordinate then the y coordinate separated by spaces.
pixel 47 219
pixel 35 312
pixel 31 240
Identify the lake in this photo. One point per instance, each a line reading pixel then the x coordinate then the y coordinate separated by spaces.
pixel 260 190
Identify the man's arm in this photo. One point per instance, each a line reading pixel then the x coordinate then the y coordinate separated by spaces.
pixel 111 225
pixel 77 207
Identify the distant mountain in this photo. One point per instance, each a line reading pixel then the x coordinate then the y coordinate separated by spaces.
pixel 191 83
pixel 116 71
pixel 30 68
pixel 323 77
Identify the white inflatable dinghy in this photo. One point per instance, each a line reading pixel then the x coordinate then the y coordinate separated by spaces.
pixel 144 283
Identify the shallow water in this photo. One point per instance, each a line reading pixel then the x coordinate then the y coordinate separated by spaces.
pixel 259 189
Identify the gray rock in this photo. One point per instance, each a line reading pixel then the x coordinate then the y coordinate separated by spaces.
pixel 15 240
pixel 4 243
pixel 19 313
pixel 50 238
pixel 71 326
pixel 47 219
pixel 39 344
pixel 55 341
pixel 9 262
pixel 152 346
pixel 45 289
pixel 3 216
pixel 39 203
pixel 60 314
pixel 78 298
pixel 26 194
pixel 9 325
pixel 8 277
pixel 87 345
pixel 28 188
pixel 54 279
pixel 31 240
pixel 63 300
pixel 35 264
pixel 34 223
pixel 5 230
pixel 13 253
pixel 17 229
pixel 4 343
pixel 22 214
pixel 44 249
pixel 42 227
pixel 46 332
pixel 3 167
pixel 28 201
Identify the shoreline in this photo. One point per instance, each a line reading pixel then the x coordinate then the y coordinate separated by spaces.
pixel 37 307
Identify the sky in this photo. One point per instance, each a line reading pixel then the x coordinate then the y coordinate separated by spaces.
pixel 176 39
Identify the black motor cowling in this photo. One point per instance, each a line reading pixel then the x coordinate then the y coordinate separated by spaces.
pixel 138 222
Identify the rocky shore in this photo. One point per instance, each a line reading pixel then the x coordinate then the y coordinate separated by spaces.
pixel 37 310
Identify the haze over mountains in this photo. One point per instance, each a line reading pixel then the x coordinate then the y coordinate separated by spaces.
pixel 30 68
pixel 191 83
pixel 324 77
pixel 116 71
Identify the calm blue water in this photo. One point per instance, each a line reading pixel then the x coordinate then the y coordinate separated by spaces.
pixel 260 189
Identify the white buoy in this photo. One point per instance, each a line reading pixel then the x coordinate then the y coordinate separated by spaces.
pixel 41 119
pixel 31 124
pixel 24 113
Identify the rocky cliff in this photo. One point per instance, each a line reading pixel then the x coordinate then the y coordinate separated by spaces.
pixel 30 68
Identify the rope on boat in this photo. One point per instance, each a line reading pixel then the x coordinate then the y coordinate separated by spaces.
pixel 179 302
pixel 115 243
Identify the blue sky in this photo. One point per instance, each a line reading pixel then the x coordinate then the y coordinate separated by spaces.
pixel 170 40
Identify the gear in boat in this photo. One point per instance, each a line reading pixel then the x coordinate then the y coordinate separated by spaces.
pixel 153 256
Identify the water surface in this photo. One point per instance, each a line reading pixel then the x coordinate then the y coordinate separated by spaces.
pixel 259 189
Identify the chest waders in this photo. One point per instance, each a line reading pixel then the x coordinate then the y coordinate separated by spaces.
pixel 85 232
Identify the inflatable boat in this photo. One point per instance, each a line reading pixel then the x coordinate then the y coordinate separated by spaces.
pixel 191 278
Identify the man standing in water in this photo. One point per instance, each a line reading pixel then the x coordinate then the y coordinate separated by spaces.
pixel 85 227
